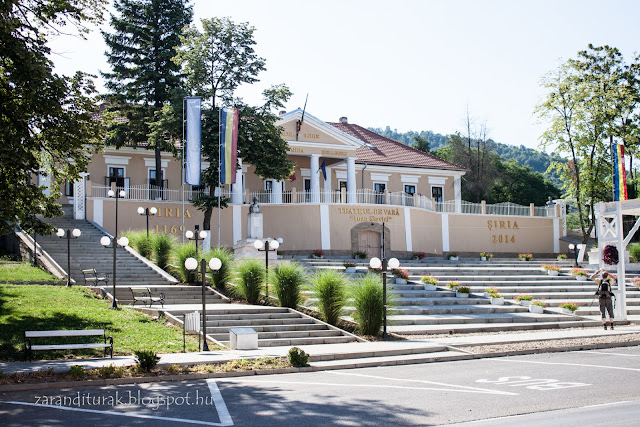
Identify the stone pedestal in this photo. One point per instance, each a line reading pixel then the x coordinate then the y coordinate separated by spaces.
pixel 244 249
pixel 243 339
pixel 254 225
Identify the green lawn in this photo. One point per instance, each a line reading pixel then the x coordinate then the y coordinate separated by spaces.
pixel 12 271
pixel 43 307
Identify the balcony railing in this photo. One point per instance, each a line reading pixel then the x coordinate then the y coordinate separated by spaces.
pixel 367 196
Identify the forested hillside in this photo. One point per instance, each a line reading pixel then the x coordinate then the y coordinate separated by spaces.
pixel 536 160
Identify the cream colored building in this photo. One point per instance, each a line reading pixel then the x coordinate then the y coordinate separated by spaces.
pixel 370 180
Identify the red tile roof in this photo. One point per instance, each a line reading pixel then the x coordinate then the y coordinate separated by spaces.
pixel 391 153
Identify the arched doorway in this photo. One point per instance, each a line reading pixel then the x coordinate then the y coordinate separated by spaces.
pixel 367 237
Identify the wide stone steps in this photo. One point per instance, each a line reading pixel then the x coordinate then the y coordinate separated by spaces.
pixel 435 319
pixel 457 309
pixel 87 252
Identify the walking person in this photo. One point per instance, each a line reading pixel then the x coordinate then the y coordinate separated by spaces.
pixel 605 295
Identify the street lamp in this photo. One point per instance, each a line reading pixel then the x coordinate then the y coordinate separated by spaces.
pixel 268 245
pixel 375 263
pixel 108 243
pixel 148 212
pixel 575 249
pixel 69 235
pixel 214 264
pixel 118 194
pixel 196 235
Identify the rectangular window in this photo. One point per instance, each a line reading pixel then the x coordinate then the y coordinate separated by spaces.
pixel 307 190
pixel 410 189
pixel 436 194
pixel 379 190
pixel 68 189
pixel 409 192
pixel 116 175
pixel 268 186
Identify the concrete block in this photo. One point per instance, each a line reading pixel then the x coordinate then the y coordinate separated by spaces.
pixel 243 339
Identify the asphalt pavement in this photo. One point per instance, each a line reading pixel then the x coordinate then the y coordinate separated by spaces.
pixel 596 387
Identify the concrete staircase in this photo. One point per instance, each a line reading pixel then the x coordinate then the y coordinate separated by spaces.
pixel 276 326
pixel 87 252
pixel 417 311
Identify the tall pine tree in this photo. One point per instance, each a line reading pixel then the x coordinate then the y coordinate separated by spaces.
pixel 143 77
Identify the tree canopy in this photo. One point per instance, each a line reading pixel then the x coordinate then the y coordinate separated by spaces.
pixel 46 123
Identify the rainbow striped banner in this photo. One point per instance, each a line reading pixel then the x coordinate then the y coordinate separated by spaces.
pixel 228 145
pixel 619 174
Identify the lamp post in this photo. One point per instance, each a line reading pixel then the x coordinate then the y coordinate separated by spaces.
pixel 118 194
pixel 148 212
pixel 108 243
pixel 376 263
pixel 268 245
pixel 196 235
pixel 69 235
pixel 214 264
pixel 575 249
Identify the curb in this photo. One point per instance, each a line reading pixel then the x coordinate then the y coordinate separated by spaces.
pixel 346 365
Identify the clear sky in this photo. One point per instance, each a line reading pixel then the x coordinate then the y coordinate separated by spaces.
pixel 410 64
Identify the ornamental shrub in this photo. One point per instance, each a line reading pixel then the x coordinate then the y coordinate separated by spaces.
pixel 223 276
pixel 250 280
pixel 287 279
pixel 368 301
pixel 463 289
pixel 523 297
pixel 452 284
pixel 162 246
pixel 573 306
pixel 634 252
pixel 418 255
pixel 401 273
pixel 359 255
pixel 77 371
pixel 610 255
pixel 429 279
pixel 178 256
pixel 329 287
pixel 146 360
pixel 298 357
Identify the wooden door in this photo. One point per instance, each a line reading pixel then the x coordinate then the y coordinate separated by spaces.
pixel 369 242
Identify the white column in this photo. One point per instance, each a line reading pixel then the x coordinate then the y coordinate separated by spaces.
pixel 325 228
pixel 445 232
pixel 315 182
pixel 276 196
pixel 457 193
pixel 620 309
pixel 327 187
pixel 236 189
pixel 407 229
pixel 351 180
pixel 237 223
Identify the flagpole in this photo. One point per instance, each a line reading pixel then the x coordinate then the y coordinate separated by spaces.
pixel 219 167
pixel 182 168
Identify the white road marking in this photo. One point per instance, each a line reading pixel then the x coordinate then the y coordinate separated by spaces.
pixel 608 404
pixel 610 354
pixel 473 389
pixel 221 407
pixel 584 365
pixel 418 381
pixel 119 414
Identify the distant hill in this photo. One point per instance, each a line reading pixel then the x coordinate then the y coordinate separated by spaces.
pixel 538 161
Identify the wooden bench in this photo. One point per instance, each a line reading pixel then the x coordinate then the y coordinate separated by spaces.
pixel 29 335
pixel 144 295
pixel 91 276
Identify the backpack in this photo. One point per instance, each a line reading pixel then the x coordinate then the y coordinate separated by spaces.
pixel 604 290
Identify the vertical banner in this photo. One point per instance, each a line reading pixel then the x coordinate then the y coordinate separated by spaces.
pixel 194 126
pixel 228 145
pixel 619 174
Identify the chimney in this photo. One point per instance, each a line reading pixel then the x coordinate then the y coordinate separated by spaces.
pixel 343 119
pixel 282 112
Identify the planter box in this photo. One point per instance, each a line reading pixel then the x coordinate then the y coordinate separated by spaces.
pixel 497 301
pixel 400 281
pixel 566 311
pixel 453 258
pixel 462 295
pixel 349 269
pixel 486 294
pixel 561 259
pixel 483 258
pixel 553 272
pixel 536 309
pixel 581 278
pixel 430 287
pixel 525 303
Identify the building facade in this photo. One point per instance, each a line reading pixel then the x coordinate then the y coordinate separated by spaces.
pixel 347 183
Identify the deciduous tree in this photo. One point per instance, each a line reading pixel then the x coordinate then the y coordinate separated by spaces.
pixel 46 123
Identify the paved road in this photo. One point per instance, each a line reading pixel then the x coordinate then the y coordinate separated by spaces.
pixel 578 388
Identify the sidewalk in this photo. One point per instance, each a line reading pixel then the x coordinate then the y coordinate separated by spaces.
pixel 350 354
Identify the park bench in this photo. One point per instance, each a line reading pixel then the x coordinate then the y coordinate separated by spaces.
pixel 145 296
pixel 92 277
pixel 29 335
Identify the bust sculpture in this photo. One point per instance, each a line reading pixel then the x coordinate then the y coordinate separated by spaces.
pixel 254 207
